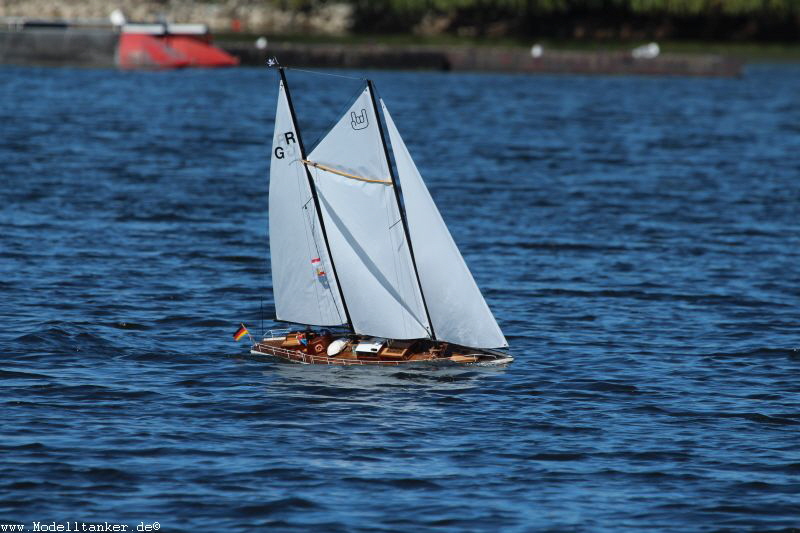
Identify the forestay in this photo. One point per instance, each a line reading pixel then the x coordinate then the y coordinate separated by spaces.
pixel 457 309
pixel 305 289
pixel 364 228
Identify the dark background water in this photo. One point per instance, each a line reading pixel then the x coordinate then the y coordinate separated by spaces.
pixel 637 239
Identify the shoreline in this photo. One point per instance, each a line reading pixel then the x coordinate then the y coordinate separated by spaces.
pixel 96 47
pixel 484 59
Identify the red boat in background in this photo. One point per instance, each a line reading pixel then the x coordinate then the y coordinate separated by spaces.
pixel 102 43
pixel 169 46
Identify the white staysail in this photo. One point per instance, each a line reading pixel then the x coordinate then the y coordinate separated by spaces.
pixel 457 309
pixel 364 227
pixel 302 276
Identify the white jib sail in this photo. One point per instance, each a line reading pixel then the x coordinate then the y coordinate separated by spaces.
pixel 364 228
pixel 457 308
pixel 302 278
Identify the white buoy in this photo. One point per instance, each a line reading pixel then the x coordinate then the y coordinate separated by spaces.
pixel 117 17
pixel 646 51
pixel 261 43
pixel 536 51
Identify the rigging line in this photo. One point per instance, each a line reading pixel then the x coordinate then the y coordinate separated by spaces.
pixel 319 255
pixel 325 74
pixel 397 244
pixel 400 205
pixel 311 241
pixel 314 195
pixel 365 258
pixel 342 173
pixel 338 116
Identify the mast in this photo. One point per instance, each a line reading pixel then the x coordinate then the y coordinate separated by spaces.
pixel 314 193
pixel 400 206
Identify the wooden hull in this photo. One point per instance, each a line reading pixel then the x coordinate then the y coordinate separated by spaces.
pixel 399 353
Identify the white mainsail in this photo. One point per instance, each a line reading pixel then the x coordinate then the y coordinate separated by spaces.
pixel 364 227
pixel 302 277
pixel 457 308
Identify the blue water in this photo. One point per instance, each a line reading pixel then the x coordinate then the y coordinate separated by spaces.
pixel 637 238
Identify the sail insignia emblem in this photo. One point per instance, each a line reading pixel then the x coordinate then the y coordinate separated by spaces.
pixel 321 277
pixel 360 121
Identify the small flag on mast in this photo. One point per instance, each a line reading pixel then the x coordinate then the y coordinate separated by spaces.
pixel 241 332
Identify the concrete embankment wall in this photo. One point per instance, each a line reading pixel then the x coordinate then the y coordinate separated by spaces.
pixel 83 47
pixel 485 59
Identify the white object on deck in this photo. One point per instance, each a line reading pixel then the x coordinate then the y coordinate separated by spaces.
pixel 336 347
pixel 369 347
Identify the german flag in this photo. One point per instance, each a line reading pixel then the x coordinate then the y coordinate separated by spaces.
pixel 241 332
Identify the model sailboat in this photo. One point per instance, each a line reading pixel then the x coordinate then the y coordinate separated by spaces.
pixel 379 271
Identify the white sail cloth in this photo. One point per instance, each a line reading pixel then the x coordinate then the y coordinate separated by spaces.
pixel 305 290
pixel 456 306
pixel 364 228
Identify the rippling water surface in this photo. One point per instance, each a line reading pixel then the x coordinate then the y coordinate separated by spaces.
pixel 637 238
